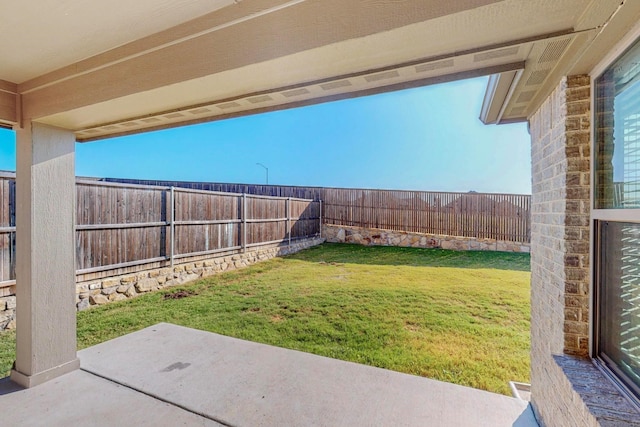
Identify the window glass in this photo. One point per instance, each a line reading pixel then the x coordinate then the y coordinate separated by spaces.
pixel 619 300
pixel 616 170
pixel 617 133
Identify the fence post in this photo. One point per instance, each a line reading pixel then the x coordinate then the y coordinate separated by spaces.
pixel 12 236
pixel 289 218
pixel 320 215
pixel 244 222
pixel 172 227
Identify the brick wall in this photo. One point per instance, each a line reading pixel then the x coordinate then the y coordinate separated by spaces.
pixel 566 388
pixel 559 243
pixel 577 215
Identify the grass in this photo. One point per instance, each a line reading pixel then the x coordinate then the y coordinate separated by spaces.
pixel 461 317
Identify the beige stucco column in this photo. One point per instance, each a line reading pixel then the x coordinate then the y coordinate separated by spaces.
pixel 45 266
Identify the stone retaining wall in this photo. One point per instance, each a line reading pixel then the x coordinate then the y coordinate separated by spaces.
pixel 8 312
pixel 118 288
pixel 379 237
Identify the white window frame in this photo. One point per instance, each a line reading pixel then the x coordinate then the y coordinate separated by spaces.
pixel 614 215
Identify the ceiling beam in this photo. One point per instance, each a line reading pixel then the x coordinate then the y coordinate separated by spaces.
pixel 241 35
pixel 337 97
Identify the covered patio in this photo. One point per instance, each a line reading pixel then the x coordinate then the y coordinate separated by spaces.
pixel 171 375
pixel 79 71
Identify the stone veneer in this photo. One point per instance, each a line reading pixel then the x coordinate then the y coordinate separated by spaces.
pixel 8 311
pixel 118 288
pixel 566 389
pixel 379 237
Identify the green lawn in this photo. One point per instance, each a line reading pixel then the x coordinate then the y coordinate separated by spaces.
pixel 461 317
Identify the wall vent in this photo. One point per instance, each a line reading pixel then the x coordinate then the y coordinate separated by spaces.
pixel 200 111
pixel 382 76
pixel 173 115
pixel 526 96
pixel 500 53
pixel 227 105
pixel 151 120
pixel 259 99
pixel 554 50
pixel 335 85
pixel 537 77
pixel 434 66
pixel 295 92
pixel 518 111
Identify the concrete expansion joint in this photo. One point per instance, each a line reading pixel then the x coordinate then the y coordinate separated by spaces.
pixel 158 398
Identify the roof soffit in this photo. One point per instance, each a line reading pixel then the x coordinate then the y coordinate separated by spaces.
pixel 46 35
pixel 600 25
pixel 244 54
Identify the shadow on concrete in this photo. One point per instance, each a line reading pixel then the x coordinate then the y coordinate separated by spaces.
pixel 7 386
pixel 526 419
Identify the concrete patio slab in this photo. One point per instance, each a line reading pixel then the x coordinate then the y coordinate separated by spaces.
pixel 82 399
pixel 241 383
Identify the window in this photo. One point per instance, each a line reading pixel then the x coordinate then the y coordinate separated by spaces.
pixel 617 124
pixel 616 217
pixel 619 302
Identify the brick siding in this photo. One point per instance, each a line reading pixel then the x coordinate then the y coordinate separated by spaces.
pixel 560 134
pixel 566 388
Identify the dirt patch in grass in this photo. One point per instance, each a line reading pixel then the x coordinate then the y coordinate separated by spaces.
pixel 179 294
pixel 411 327
pixel 276 319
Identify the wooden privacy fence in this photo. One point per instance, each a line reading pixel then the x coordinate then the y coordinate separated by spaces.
pixel 124 225
pixel 480 215
pixel 7 229
pixel 127 224
pixel 314 193
pixel 120 225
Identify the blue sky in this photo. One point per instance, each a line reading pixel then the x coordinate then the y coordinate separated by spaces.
pixel 428 138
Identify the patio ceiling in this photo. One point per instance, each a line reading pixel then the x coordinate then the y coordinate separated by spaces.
pixel 118 67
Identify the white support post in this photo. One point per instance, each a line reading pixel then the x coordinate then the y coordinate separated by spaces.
pixel 45 267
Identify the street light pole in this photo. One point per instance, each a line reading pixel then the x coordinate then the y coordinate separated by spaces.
pixel 266 169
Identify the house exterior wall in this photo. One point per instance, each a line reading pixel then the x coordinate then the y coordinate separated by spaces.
pixel 559 245
pixel 567 390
